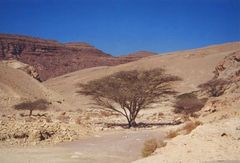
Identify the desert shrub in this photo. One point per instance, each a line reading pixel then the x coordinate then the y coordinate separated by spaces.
pixel 161 144
pixel 172 134
pixel 128 92
pixel 188 127
pixel 20 135
pixel 214 87
pixel 188 104
pixel 149 147
pixel 45 135
pixel 40 104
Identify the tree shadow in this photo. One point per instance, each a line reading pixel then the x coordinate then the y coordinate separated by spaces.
pixel 138 125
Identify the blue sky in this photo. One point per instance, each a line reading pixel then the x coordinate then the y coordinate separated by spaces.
pixel 123 26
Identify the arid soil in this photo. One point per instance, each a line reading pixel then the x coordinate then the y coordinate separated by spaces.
pixel 117 146
pixel 83 133
pixel 217 140
pixel 194 67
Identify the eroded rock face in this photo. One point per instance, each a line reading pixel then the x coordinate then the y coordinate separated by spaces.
pixel 30 70
pixel 51 58
pixel 229 70
pixel 226 81
pixel 229 67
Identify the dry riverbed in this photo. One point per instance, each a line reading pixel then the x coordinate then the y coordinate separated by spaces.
pixel 119 146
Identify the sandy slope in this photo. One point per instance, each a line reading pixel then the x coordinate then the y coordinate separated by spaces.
pixel 217 140
pixel 206 143
pixel 17 86
pixel 194 66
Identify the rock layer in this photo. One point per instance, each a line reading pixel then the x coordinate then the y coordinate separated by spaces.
pixel 51 58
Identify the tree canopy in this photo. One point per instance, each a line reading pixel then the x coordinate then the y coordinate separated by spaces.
pixel 127 92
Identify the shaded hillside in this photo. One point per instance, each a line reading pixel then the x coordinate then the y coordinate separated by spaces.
pixel 17 86
pixel 193 66
pixel 229 67
pixel 51 58
pixel 225 84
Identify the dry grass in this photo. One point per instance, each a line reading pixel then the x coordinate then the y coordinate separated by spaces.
pixel 149 147
pixel 172 134
pixel 188 127
pixel 161 144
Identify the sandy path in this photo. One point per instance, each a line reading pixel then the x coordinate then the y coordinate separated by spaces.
pixel 119 147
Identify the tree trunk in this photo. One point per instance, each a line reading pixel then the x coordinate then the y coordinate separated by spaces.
pixel 30 114
pixel 132 123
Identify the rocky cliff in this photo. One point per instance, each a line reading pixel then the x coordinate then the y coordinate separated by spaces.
pixel 229 68
pixel 51 58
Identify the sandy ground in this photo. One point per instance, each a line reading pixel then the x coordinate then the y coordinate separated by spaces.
pixel 221 142
pixel 193 66
pixel 119 147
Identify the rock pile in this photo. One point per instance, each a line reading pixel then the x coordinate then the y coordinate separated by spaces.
pixel 38 131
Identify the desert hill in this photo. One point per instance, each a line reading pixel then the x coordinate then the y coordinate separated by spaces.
pixel 51 58
pixel 71 116
pixel 17 86
pixel 217 140
pixel 193 66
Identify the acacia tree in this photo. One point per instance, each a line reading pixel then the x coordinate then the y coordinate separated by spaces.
pixel 127 92
pixel 40 104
